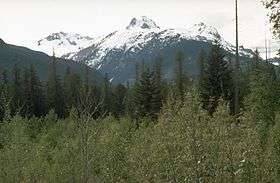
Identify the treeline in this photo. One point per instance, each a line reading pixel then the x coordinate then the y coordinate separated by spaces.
pixel 70 130
pixel 22 93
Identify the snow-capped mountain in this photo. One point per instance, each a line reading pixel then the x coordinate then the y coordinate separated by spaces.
pixel 142 23
pixel 2 42
pixel 143 40
pixel 63 44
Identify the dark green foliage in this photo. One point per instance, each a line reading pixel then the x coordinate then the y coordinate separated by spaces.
pixel 202 62
pixel 147 97
pixel 4 77
pixel 72 87
pixel 71 130
pixel 34 96
pixel 25 95
pixel 11 55
pixel 262 102
pixel 107 100
pixel 187 145
pixel 55 92
pixel 17 90
pixel 120 93
pixel 217 82
pixel 180 77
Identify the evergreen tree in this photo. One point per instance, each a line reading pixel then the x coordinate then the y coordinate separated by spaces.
pixel 27 102
pixel 34 102
pixel 38 98
pixel 180 77
pixel 147 94
pixel 119 92
pixel 106 97
pixel 16 91
pixel 217 81
pixel 158 87
pixel 202 63
pixel 72 89
pixel 55 92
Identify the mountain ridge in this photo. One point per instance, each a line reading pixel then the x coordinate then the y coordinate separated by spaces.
pixel 11 55
pixel 117 53
pixel 63 43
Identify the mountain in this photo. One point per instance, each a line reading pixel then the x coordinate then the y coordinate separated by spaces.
pixel 143 40
pixel 117 53
pixel 11 55
pixel 142 23
pixel 64 44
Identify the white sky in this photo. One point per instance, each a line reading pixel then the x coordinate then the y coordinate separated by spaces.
pixel 22 22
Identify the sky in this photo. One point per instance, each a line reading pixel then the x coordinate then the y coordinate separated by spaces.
pixel 23 22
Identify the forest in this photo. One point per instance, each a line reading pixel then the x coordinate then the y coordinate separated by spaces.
pixel 69 129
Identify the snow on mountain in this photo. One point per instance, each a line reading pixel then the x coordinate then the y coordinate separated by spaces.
pixel 140 32
pixel 63 44
pixel 117 53
pixel 142 23
pixel 2 42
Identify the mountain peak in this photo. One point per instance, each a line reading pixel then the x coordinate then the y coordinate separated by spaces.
pixel 142 22
pixel 64 43
pixel 2 42
pixel 202 28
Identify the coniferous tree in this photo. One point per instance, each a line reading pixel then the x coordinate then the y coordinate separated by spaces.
pixel 34 101
pixel 55 92
pixel 27 102
pixel 158 91
pixel 16 91
pixel 147 96
pixel 5 93
pixel 202 63
pixel 106 97
pixel 38 97
pixel 72 89
pixel 142 97
pixel 119 92
pixel 217 81
pixel 180 77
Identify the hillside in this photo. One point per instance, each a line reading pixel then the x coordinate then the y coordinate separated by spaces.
pixel 24 57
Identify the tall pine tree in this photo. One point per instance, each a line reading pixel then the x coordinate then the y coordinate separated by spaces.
pixel 147 96
pixel 180 77
pixel 217 81
pixel 55 92
pixel 34 101
pixel 17 98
